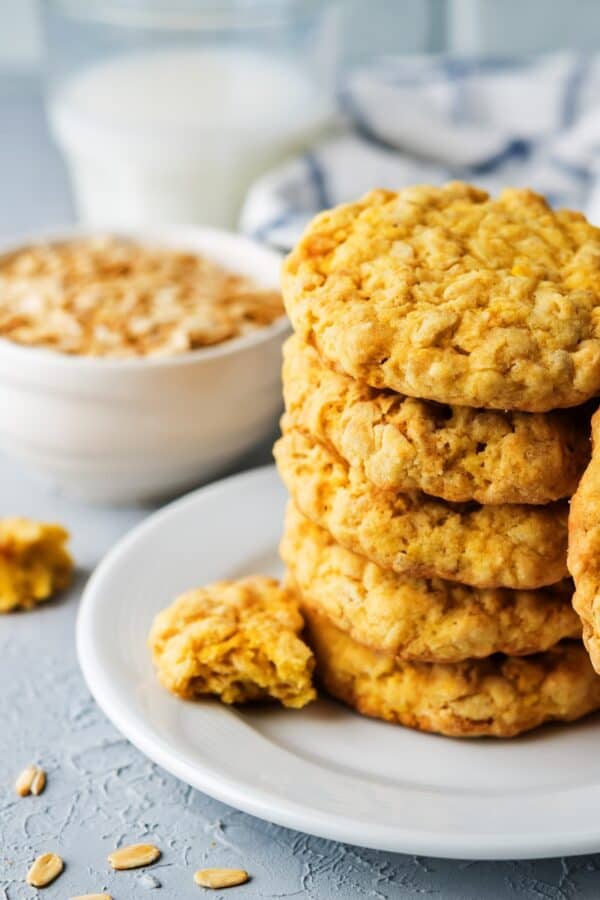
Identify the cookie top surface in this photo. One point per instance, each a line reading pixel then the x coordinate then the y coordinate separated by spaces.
pixel 236 639
pixel 512 546
pixel 499 697
pixel 584 548
pixel 429 620
pixel 453 452
pixel 447 294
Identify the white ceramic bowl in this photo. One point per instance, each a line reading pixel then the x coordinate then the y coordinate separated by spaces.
pixel 117 431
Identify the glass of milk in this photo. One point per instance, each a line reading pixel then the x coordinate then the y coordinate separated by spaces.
pixel 166 110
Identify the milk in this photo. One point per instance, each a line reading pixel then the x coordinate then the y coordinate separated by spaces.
pixel 178 135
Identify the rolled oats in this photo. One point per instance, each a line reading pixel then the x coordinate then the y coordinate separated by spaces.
pixel 92 897
pixel 134 856
pixel 113 297
pixel 38 782
pixel 25 780
pixel 220 878
pixel 44 870
pixel 32 780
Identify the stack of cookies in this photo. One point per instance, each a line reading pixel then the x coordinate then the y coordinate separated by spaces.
pixel 444 346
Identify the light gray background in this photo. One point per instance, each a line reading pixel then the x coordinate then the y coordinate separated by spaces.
pixel 392 26
pixel 100 789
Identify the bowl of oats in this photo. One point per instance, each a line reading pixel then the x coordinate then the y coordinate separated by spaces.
pixel 134 365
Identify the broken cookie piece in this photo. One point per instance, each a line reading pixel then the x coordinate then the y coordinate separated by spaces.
pixel 34 562
pixel 236 639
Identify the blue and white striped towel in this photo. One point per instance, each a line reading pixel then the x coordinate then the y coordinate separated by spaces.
pixel 534 123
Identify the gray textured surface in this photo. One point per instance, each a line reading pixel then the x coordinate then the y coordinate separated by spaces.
pixel 100 789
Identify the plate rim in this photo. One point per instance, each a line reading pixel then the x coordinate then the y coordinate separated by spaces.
pixel 259 801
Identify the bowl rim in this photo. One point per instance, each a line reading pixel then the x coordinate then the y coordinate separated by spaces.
pixel 170 236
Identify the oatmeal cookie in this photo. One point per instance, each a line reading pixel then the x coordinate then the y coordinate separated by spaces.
pixel 584 548
pixel 485 546
pixel 446 294
pixel 453 452
pixel 236 639
pixel 500 696
pixel 34 562
pixel 428 620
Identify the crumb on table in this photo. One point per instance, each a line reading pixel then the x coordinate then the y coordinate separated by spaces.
pixel 239 640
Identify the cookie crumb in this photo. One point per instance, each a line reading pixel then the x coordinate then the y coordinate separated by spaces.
pixel 34 562
pixel 239 640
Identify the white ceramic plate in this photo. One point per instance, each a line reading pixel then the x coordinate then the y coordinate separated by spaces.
pixel 323 770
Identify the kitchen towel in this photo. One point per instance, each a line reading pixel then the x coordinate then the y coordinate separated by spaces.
pixel 407 120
